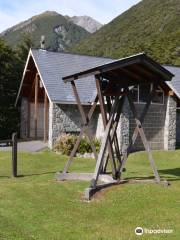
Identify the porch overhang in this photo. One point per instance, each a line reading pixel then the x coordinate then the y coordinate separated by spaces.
pixel 131 70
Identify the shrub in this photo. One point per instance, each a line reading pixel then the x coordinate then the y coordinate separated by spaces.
pixel 97 144
pixel 84 146
pixel 66 143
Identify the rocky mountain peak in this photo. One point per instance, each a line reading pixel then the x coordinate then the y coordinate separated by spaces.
pixel 86 22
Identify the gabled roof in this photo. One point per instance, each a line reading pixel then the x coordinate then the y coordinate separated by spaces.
pixel 175 83
pixel 53 66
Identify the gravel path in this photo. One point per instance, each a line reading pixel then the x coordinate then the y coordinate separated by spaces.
pixel 31 146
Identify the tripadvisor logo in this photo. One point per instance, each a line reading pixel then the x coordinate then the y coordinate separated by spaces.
pixel 139 231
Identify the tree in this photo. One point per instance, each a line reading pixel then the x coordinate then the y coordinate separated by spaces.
pixel 23 48
pixel 9 81
pixel 11 68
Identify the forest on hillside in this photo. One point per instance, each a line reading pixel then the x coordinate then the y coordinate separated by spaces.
pixel 152 26
pixel 11 68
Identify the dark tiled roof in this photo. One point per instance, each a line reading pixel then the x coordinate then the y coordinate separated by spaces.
pixel 53 66
pixel 175 83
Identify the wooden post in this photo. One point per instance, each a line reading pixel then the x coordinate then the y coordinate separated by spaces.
pixel 36 106
pixel 28 118
pixel 104 118
pixel 29 107
pixel 14 155
pixel 45 116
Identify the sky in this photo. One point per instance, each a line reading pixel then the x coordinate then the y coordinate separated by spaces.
pixel 15 11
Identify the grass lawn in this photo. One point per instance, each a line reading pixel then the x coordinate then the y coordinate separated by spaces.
pixel 35 206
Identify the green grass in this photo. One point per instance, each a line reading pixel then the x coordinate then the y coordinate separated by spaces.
pixel 35 206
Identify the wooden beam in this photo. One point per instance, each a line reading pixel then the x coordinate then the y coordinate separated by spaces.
pixel 36 106
pixel 28 118
pixel 45 116
pixel 83 177
pixel 32 88
pixel 29 106
pixel 104 118
pixel 171 93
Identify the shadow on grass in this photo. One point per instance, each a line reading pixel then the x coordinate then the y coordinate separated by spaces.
pixel 5 176
pixel 174 172
pixel 139 178
pixel 35 174
pixel 28 175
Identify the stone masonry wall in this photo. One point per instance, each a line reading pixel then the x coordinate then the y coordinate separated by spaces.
pixel 123 127
pixel 170 125
pixel 67 119
pixel 153 126
pixel 178 128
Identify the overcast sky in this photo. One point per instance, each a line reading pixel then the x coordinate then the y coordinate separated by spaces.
pixel 15 11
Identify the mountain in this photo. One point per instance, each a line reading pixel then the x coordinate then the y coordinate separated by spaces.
pixel 86 22
pixel 59 32
pixel 151 26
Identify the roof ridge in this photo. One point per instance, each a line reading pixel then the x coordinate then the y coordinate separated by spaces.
pixel 76 54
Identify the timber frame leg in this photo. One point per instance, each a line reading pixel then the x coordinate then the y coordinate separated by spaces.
pixel 115 111
pixel 139 129
pixel 135 134
pixel 105 121
pixel 114 138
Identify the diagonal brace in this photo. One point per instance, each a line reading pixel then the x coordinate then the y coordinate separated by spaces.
pixel 143 137
pixel 84 130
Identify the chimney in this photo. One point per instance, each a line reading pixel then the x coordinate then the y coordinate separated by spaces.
pixel 42 42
